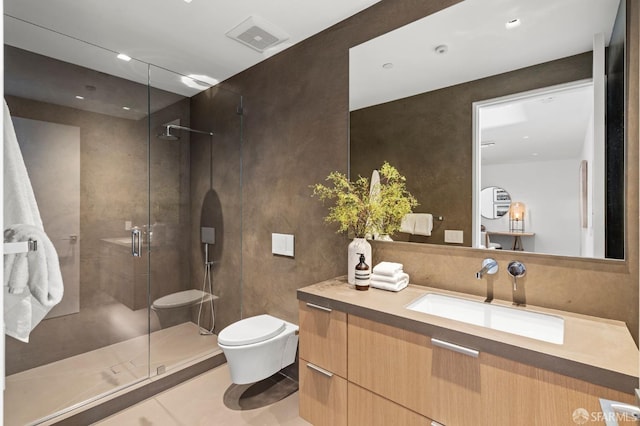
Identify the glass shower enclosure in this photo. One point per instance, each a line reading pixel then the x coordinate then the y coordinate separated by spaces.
pixel 124 209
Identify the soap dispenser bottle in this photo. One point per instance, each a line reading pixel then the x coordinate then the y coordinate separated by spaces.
pixel 363 275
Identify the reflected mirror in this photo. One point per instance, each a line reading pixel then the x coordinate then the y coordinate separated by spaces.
pixel 421 113
pixel 494 202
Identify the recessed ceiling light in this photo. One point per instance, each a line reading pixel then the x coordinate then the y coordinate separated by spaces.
pixel 124 57
pixel 387 66
pixel 126 108
pixel 79 97
pixel 512 23
pixel 534 154
pixel 187 1
pixel 525 137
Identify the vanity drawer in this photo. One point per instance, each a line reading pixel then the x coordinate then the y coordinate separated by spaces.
pixel 406 368
pixel 323 337
pixel 367 408
pixel 323 396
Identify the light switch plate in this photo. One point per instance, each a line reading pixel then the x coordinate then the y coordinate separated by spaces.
pixel 453 236
pixel 282 244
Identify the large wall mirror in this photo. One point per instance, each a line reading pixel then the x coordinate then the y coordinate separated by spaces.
pixel 510 95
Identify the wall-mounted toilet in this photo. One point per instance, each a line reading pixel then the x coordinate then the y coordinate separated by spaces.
pixel 175 308
pixel 258 347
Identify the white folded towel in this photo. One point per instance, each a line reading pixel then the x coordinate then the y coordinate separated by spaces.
pixel 392 279
pixel 387 268
pixel 389 286
pixel 417 224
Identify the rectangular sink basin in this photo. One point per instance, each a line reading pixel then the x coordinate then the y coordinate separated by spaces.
pixel 536 325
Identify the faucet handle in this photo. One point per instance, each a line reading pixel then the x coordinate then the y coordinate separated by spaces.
pixel 516 270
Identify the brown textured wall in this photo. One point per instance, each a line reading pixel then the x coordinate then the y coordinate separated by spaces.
pixel 428 137
pixel 295 131
pixel 216 198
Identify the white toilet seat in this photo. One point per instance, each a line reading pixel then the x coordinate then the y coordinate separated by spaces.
pixel 251 330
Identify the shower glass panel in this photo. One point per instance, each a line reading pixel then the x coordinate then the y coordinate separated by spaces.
pixel 84 138
pixel 195 213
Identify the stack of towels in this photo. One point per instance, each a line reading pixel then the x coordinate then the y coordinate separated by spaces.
pixel 389 276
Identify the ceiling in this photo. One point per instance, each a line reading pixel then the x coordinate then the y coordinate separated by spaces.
pixel 542 127
pixel 471 41
pixel 186 38
pixel 478 45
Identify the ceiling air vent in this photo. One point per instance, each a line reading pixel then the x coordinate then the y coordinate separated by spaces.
pixel 258 34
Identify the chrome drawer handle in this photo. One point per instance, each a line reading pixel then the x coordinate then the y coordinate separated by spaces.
pixel 320 370
pixel 322 308
pixel 456 348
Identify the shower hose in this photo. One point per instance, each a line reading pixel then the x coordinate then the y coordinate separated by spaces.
pixel 207 281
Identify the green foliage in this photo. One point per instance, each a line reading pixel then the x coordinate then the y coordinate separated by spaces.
pixel 362 212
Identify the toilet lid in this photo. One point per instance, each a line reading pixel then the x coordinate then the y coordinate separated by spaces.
pixel 251 330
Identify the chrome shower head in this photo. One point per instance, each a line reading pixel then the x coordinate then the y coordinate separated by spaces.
pixel 166 135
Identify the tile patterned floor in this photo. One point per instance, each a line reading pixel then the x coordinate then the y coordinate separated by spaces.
pixel 41 391
pixel 199 402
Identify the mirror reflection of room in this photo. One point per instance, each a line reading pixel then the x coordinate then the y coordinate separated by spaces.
pixel 537 145
pixel 418 114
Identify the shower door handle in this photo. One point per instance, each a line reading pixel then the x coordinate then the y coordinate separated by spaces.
pixel 136 243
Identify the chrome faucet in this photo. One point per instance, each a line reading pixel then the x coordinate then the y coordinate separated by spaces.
pixel 489 266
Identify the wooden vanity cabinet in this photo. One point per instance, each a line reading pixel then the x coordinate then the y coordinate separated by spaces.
pixel 462 389
pixel 323 365
pixel 383 375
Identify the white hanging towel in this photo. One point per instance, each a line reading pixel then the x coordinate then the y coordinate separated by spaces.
pixel 19 201
pixel 417 224
pixel 424 224
pixel 32 281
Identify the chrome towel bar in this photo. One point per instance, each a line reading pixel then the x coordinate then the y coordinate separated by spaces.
pixel 20 247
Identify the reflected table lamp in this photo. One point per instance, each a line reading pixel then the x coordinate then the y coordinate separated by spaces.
pixel 516 217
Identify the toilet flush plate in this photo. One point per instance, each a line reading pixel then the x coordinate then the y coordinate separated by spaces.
pixel 282 244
